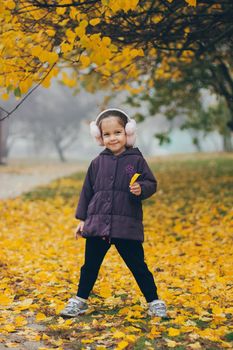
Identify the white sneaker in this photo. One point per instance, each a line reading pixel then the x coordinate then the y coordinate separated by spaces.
pixel 157 308
pixel 74 308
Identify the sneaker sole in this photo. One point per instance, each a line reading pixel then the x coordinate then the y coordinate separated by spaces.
pixel 151 314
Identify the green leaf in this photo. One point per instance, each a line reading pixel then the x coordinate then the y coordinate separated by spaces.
pixel 229 336
pixel 163 138
pixel 139 117
pixel 17 92
pixel 9 88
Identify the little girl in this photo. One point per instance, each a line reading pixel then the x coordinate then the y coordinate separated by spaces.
pixel 110 209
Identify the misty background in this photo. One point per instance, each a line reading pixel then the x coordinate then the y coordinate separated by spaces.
pixel 54 124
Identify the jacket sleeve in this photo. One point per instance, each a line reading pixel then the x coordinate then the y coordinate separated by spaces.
pixel 85 195
pixel 147 181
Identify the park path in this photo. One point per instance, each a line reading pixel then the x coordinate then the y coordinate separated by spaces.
pixel 18 177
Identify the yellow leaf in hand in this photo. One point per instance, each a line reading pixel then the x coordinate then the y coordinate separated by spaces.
pixel 134 178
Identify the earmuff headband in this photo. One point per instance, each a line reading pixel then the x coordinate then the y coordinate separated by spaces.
pixel 111 110
pixel 130 128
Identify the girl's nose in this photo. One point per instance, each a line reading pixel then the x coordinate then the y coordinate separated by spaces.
pixel 112 137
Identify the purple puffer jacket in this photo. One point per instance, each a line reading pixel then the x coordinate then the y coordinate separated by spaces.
pixel 106 204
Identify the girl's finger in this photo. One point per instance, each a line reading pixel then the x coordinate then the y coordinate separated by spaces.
pixel 135 186
pixel 78 235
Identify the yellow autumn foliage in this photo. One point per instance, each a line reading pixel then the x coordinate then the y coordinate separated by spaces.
pixel 34 39
pixel 188 232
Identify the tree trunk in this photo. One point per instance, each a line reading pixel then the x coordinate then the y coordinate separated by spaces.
pixel 228 134
pixel 60 151
pixel 1 145
pixel 227 141
pixel 3 139
pixel 223 84
pixel 197 145
pixel 61 154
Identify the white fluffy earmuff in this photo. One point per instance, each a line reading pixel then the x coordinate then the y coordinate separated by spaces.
pixel 130 128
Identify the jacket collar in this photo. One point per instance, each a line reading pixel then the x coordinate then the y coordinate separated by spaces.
pixel 128 151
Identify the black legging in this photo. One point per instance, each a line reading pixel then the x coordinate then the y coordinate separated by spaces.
pixel 133 255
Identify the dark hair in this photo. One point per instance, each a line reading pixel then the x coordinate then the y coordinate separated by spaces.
pixel 122 118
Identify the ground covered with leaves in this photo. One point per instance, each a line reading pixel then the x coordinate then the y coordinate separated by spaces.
pixel 188 247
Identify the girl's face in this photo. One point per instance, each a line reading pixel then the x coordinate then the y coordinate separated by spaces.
pixel 113 135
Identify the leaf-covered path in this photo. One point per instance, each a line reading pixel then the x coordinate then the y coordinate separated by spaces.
pixel 20 176
pixel 188 247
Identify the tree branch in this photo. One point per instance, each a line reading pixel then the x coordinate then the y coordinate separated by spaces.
pixel 26 96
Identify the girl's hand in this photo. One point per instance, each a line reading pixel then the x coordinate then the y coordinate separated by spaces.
pixel 136 189
pixel 79 229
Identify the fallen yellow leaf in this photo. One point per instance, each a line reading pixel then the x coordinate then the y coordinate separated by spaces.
pixel 173 332
pixel 122 345
pixel 40 316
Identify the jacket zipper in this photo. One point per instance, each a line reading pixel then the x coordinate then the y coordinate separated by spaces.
pixel 109 240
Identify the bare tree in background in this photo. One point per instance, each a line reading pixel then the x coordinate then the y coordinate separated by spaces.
pixel 50 119
pixel 3 141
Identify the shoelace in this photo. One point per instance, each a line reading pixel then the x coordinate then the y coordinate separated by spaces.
pixel 72 305
pixel 159 307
